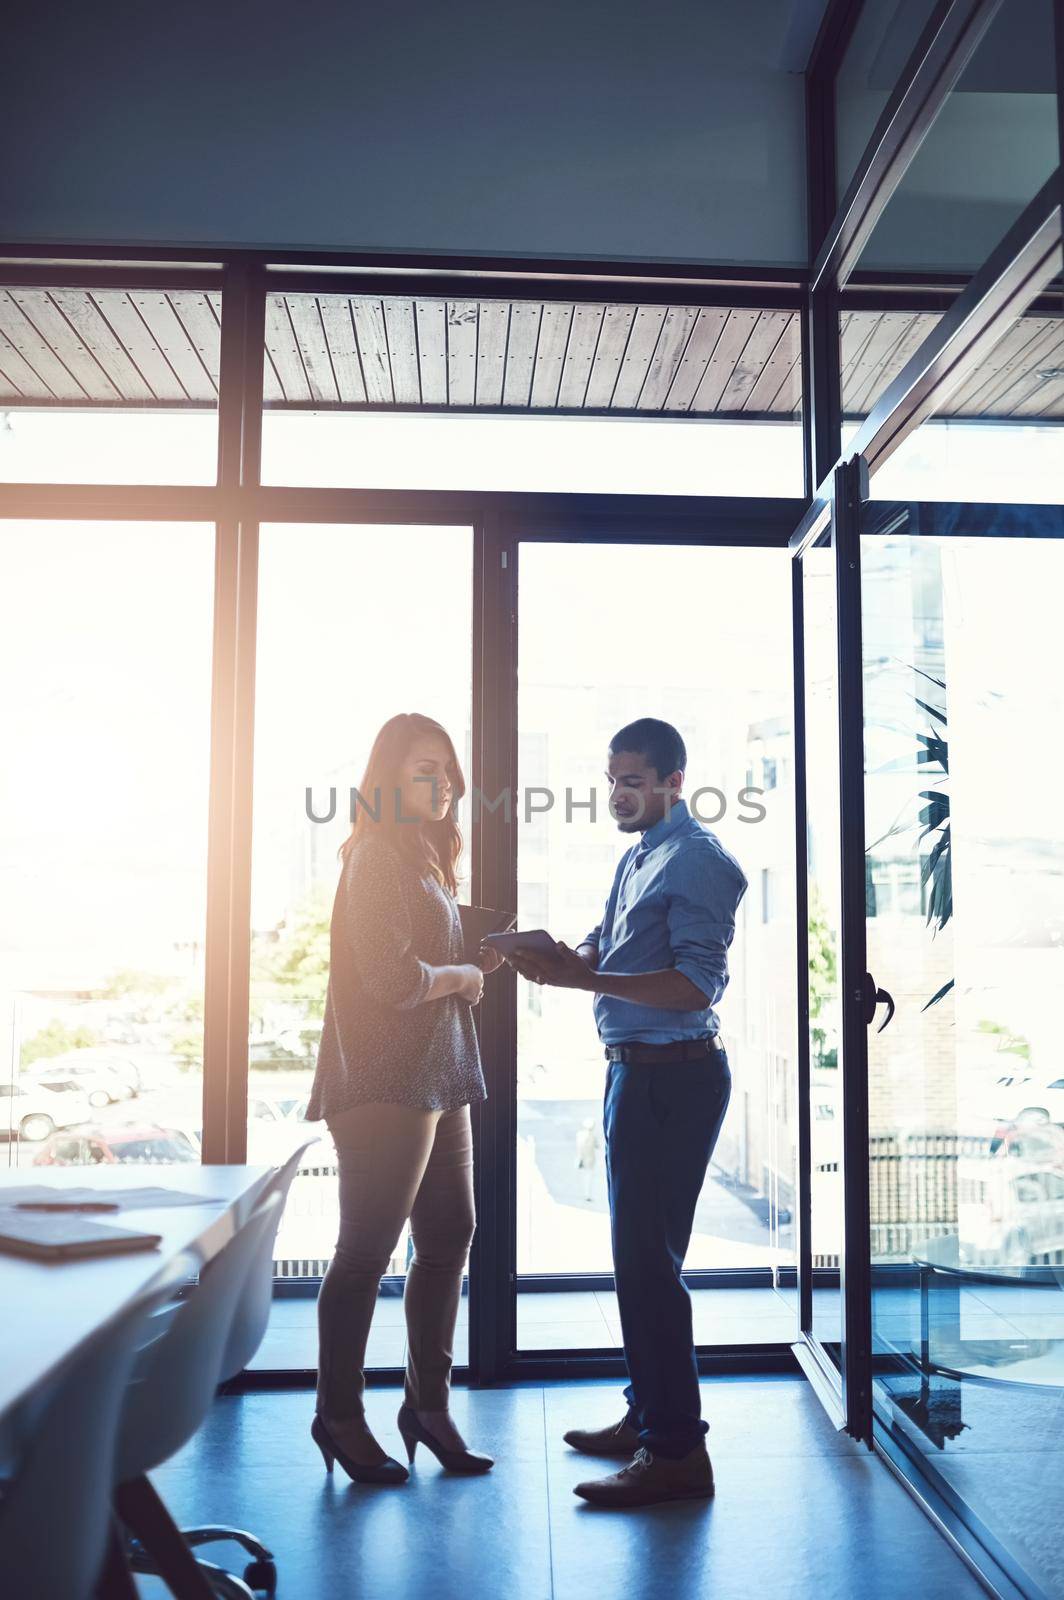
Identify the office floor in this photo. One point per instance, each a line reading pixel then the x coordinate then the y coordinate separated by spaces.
pixel 801 1513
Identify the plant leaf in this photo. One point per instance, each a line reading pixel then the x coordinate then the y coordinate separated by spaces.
pixel 935 998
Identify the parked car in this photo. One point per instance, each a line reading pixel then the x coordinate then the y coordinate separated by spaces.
pixel 93 1146
pixel 1011 1212
pixel 33 1111
pixel 1025 1096
pixel 97 1078
pixel 274 1129
pixel 1037 1143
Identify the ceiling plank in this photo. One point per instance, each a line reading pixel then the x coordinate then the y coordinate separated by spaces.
pixel 314 352
pixel 18 380
pixel 862 388
pixel 430 319
pixel 580 355
pixel 371 333
pixel 60 337
pixel 402 351
pixel 118 307
pixel 92 328
pixel 35 352
pixel 875 355
pixel 170 334
pixel 283 346
pixel 639 353
pixel 709 325
pixel 200 315
pixel 768 381
pixel 556 325
pixel 1015 352
pixel 672 343
pixel 724 360
pixel 1019 378
pixel 492 330
pixel 612 344
pixel 463 317
pixel 1045 397
pixel 335 310
pixel 755 355
pixel 855 330
pixel 525 319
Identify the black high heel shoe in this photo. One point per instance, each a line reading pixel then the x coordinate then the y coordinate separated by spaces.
pixel 414 1433
pixel 388 1471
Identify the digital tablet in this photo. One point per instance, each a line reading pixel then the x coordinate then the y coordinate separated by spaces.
pixel 477 923
pixel 533 942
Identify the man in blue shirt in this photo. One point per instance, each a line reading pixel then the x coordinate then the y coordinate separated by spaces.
pixel 657 965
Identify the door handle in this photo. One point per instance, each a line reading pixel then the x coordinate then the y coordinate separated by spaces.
pixel 871 997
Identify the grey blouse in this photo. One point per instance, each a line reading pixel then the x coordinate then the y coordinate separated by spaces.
pixel 379 1042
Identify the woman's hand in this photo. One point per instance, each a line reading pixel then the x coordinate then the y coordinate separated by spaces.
pixel 472 985
pixel 489 958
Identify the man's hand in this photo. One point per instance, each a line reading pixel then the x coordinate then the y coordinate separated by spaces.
pixel 566 970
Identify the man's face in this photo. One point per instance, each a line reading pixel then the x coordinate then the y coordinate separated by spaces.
pixel 634 804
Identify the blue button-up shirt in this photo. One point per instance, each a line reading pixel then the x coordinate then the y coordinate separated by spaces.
pixel 673 904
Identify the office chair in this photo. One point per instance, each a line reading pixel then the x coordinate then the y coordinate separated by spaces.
pixel 172 1389
pixel 245 1336
pixel 249 1323
pixel 63 1479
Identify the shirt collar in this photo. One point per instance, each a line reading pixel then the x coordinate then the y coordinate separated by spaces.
pixel 676 813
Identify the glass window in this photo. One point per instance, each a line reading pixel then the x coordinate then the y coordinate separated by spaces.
pixel 993 145
pixel 885 35
pixel 109 385
pixel 355 624
pixel 997 437
pixel 716 608
pixel 498 395
pixel 105 656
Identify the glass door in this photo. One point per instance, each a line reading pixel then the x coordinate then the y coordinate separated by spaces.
pixel 964 883
pixel 699 636
pixel 834 987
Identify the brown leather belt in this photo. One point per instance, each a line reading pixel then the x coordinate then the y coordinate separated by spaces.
pixel 641 1054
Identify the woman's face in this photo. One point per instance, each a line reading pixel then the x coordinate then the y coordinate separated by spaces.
pixel 426 779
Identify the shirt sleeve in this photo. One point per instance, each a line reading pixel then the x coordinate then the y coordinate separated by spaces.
pixel 702 895
pixel 379 931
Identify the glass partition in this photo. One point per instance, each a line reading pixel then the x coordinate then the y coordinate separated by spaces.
pixel 884 37
pixel 965 928
pixel 717 664
pixel 490 394
pixel 992 146
pixel 355 624
pixel 105 658
pixel 109 385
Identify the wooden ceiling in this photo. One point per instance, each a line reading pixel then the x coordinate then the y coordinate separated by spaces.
pixel 530 356
pixel 150 348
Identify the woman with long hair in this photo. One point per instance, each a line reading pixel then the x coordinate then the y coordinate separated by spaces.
pixel 398 1068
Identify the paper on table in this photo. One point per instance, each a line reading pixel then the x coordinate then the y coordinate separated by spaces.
pixel 124 1199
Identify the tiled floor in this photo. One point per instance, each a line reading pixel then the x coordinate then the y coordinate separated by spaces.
pixel 562 1321
pixel 801 1513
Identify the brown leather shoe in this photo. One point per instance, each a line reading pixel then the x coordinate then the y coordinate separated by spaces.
pixel 648 1480
pixel 619 1440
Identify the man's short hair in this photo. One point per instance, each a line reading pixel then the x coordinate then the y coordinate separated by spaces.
pixel 657 742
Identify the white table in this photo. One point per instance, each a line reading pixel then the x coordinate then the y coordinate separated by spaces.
pixel 49 1309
